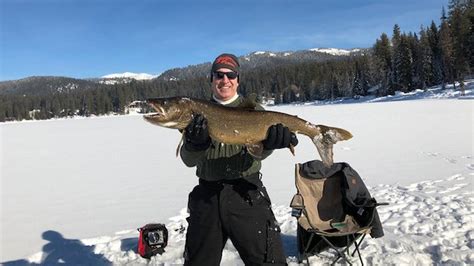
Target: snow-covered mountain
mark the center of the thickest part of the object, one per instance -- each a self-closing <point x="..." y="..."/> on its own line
<point x="335" y="51"/>
<point x="267" y="59"/>
<point x="331" y="51"/>
<point x="44" y="85"/>
<point x="130" y="75"/>
<point x="125" y="77"/>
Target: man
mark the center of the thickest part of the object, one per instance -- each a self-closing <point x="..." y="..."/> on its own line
<point x="230" y="201"/>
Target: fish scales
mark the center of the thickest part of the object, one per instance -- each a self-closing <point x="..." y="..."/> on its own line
<point x="242" y="125"/>
<point x="232" y="126"/>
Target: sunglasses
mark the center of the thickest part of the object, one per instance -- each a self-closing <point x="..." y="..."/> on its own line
<point x="230" y="75"/>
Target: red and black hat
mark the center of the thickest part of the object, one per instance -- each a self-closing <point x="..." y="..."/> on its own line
<point x="229" y="61"/>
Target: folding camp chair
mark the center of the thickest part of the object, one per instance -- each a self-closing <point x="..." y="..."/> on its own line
<point x="334" y="210"/>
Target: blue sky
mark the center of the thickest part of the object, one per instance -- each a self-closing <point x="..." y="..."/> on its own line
<point x="92" y="38"/>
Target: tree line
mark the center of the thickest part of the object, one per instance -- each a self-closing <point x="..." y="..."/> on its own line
<point x="437" y="54"/>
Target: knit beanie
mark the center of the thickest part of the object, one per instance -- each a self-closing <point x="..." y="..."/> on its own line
<point x="229" y="61"/>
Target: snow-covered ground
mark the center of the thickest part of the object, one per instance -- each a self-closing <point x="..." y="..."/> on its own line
<point x="75" y="190"/>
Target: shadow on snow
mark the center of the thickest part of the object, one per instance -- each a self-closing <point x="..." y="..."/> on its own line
<point x="63" y="251"/>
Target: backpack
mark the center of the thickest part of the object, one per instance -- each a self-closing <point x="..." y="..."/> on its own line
<point x="152" y="240"/>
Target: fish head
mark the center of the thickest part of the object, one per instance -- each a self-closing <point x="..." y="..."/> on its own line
<point x="172" y="112"/>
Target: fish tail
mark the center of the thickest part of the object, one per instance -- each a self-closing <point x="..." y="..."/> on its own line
<point x="325" y="140"/>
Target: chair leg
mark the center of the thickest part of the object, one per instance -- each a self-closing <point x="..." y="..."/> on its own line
<point x="304" y="255"/>
<point x="357" y="248"/>
<point x="309" y="242"/>
<point x="348" y="242"/>
<point x="357" y="245"/>
<point x="339" y="253"/>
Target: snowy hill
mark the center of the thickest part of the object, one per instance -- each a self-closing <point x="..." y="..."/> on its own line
<point x="331" y="51"/>
<point x="44" y="85"/>
<point x="125" y="77"/>
<point x="91" y="182"/>
<point x="267" y="59"/>
<point x="335" y="51"/>
<point x="130" y="75"/>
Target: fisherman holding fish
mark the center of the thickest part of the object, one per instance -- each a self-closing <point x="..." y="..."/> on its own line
<point x="230" y="201"/>
<point x="226" y="139"/>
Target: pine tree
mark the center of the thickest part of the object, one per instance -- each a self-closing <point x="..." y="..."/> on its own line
<point x="397" y="60"/>
<point x="3" y="109"/>
<point x="417" y="66"/>
<point x="433" y="37"/>
<point x="357" y="87"/>
<point x="383" y="62"/>
<point x="460" y="29"/>
<point x="404" y="66"/>
<point x="426" y="60"/>
<point x="470" y="16"/>
<point x="446" y="51"/>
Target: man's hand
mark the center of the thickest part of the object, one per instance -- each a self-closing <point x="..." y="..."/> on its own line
<point x="197" y="134"/>
<point x="279" y="136"/>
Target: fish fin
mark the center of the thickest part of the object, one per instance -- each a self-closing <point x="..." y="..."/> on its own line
<point x="180" y="144"/>
<point x="325" y="150"/>
<point x="325" y="141"/>
<point x="255" y="149"/>
<point x="249" y="102"/>
<point x="339" y="134"/>
<point x="292" y="149"/>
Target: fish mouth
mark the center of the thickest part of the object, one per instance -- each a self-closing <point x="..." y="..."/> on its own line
<point x="156" y="118"/>
<point x="159" y="111"/>
<point x="153" y="115"/>
<point x="160" y="114"/>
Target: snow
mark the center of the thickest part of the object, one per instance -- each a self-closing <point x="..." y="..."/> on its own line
<point x="137" y="76"/>
<point x="75" y="190"/>
<point x="334" y="51"/>
<point x="264" y="53"/>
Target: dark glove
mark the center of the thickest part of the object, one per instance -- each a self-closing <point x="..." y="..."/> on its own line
<point x="279" y="136"/>
<point x="197" y="134"/>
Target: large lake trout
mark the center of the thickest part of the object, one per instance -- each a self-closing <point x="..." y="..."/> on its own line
<point x="244" y="126"/>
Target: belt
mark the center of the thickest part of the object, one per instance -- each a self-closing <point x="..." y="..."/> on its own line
<point x="235" y="181"/>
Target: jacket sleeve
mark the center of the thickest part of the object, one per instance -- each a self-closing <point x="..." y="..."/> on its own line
<point x="265" y="154"/>
<point x="191" y="158"/>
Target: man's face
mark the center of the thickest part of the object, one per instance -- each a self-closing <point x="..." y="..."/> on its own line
<point x="223" y="87"/>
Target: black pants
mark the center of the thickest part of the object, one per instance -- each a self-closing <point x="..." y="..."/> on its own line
<point x="238" y="210"/>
